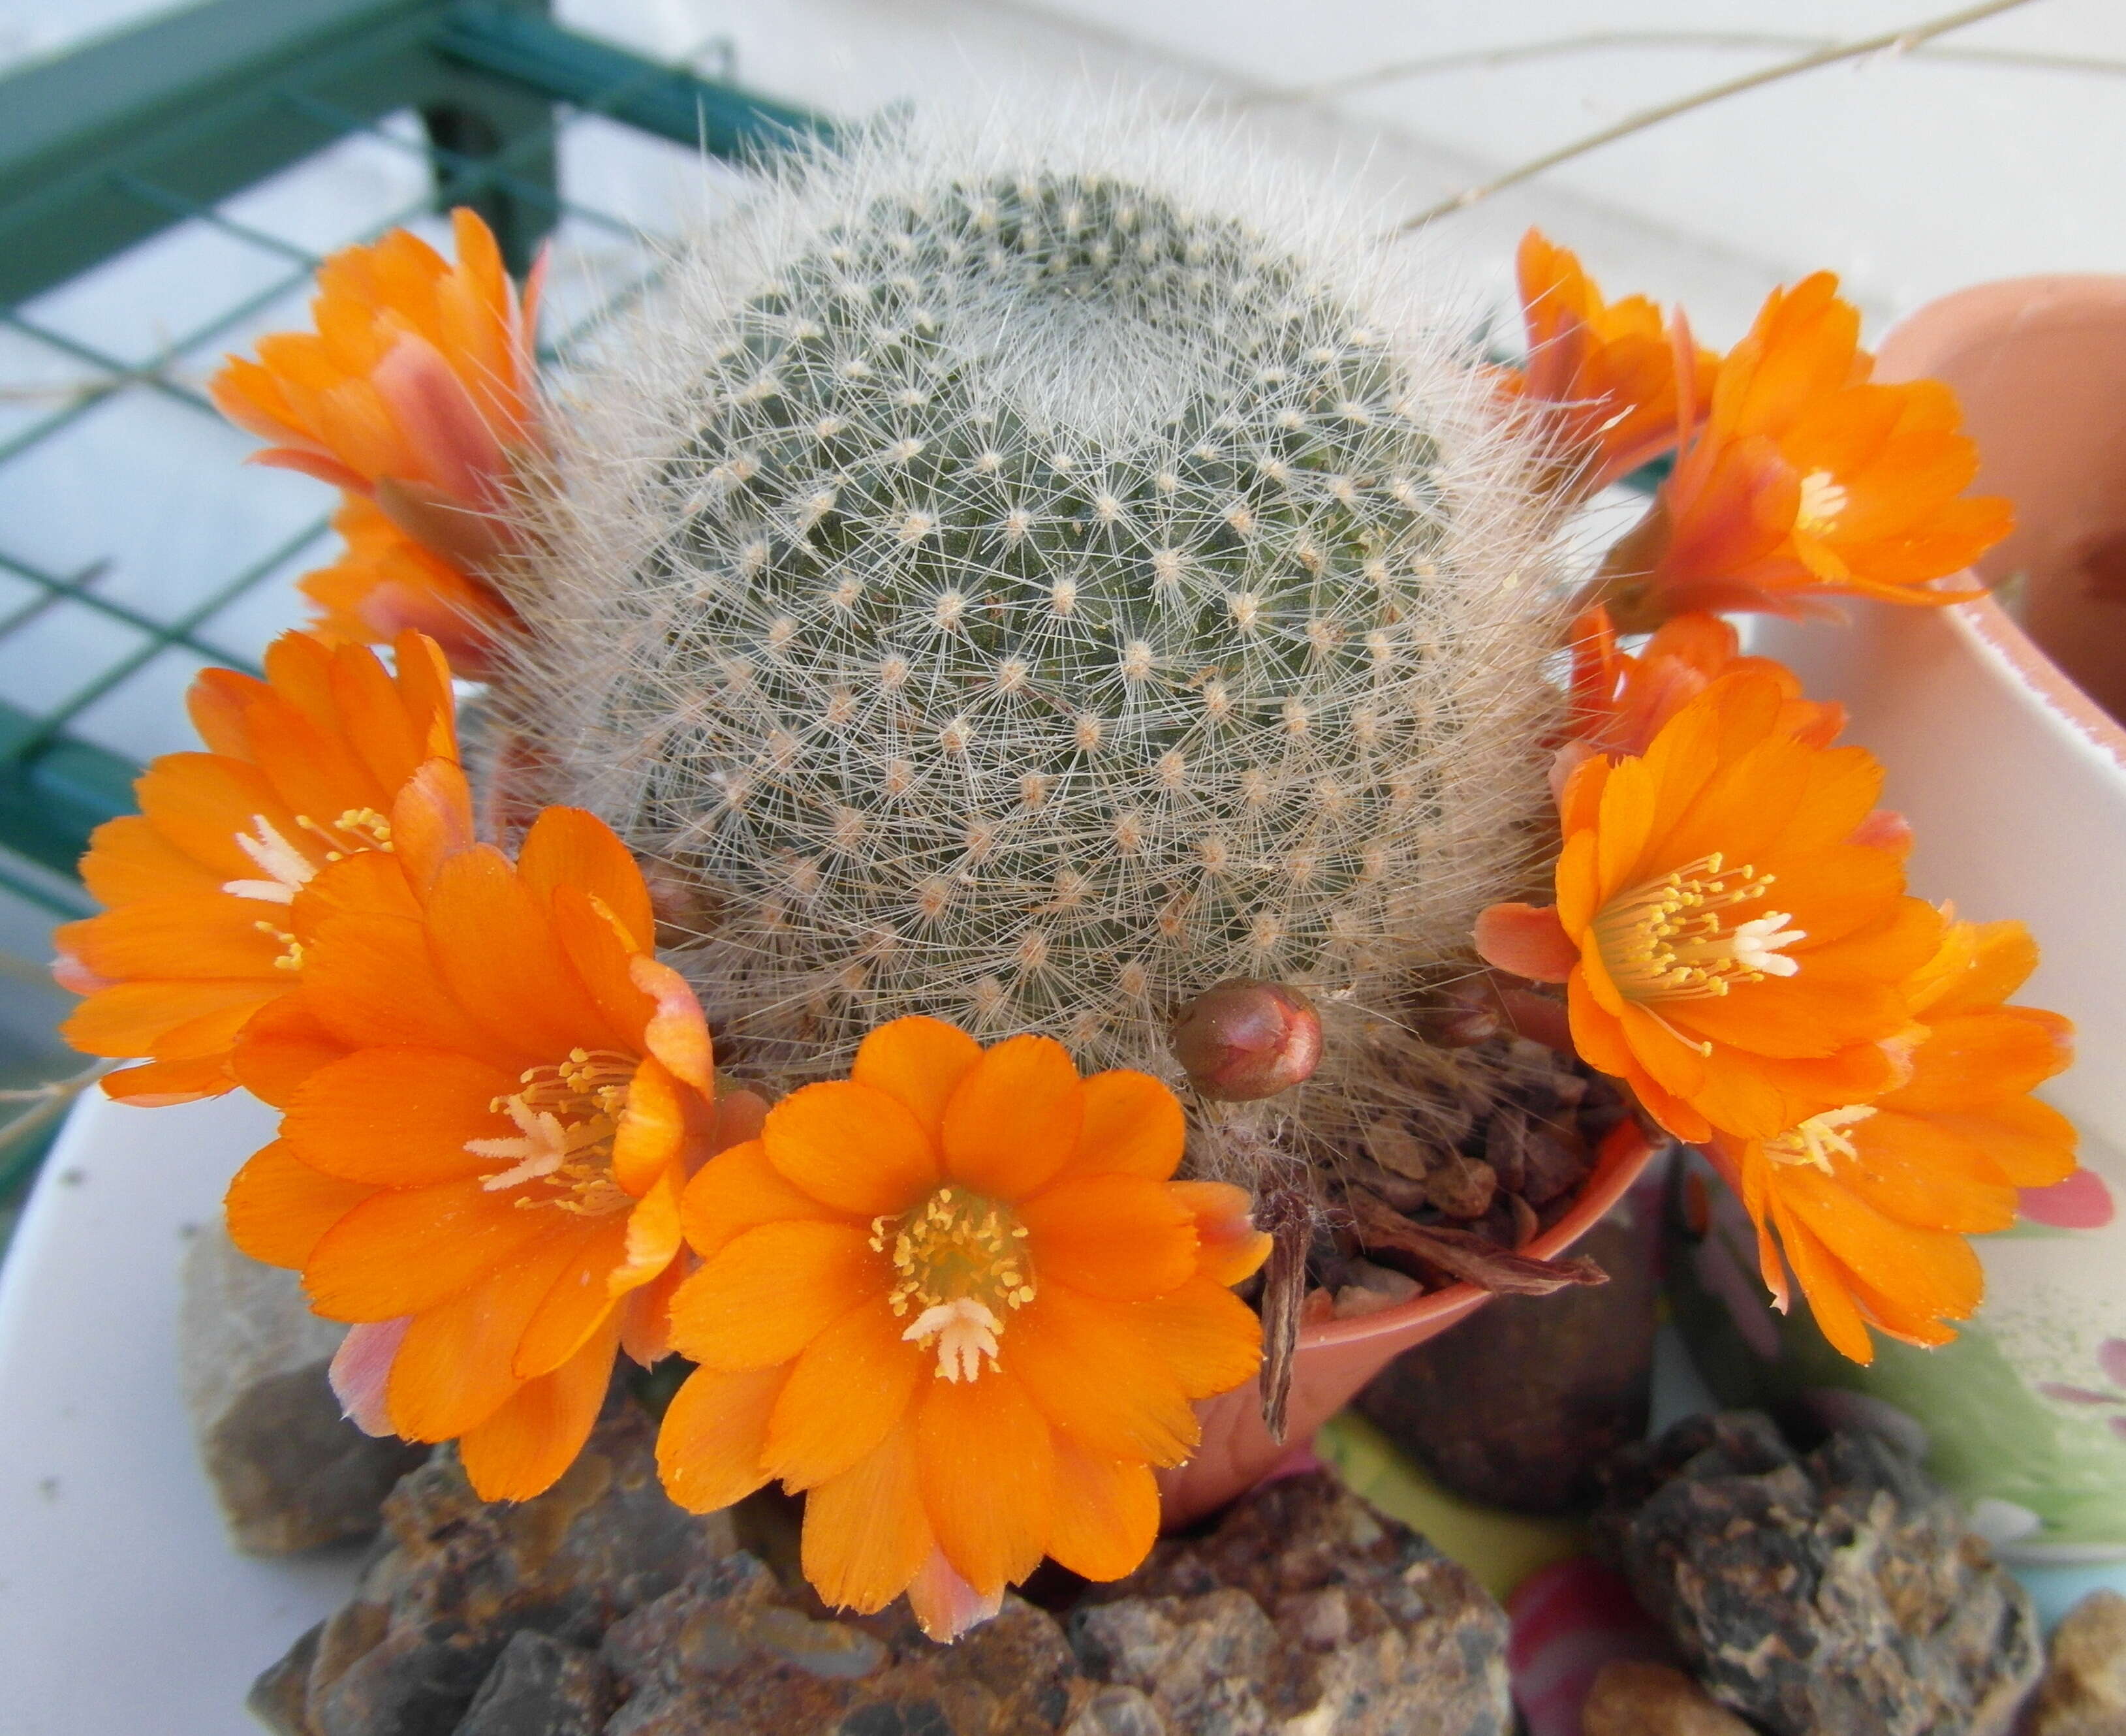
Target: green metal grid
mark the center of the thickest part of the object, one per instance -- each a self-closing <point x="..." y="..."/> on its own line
<point x="164" y="131"/>
<point x="164" y="126"/>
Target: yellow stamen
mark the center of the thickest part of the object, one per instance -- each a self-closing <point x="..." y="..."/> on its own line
<point x="566" y="1116"/>
<point x="1669" y="939"/>
<point x="1817" y="1141"/>
<point x="963" y="1268"/>
<point x="287" y="866"/>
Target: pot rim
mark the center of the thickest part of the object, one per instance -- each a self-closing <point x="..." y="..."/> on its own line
<point x="1911" y="349"/>
<point x="1622" y="1159"/>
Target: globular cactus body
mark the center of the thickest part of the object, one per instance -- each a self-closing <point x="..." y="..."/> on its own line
<point x="1017" y="575"/>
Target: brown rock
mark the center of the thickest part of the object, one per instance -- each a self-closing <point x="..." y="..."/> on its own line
<point x="726" y="1650"/>
<point x="1520" y="1404"/>
<point x="289" y="1471"/>
<point x="1832" y="1591"/>
<point x="540" y="1687"/>
<point x="1118" y="1711"/>
<point x="2084" y="1690"/>
<point x="1305" y="1610"/>
<point x="1652" y="1699"/>
<point x="455" y="1578"/>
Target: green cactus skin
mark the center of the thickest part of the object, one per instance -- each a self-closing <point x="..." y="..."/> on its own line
<point x="1028" y="594"/>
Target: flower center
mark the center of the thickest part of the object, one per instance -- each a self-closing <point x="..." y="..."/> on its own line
<point x="287" y="867"/>
<point x="1670" y="939"/>
<point x="962" y="1267"/>
<point x="1819" y="1139"/>
<point x="566" y="1115"/>
<point x="1822" y="500"/>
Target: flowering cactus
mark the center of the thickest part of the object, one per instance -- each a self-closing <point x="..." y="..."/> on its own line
<point x="1028" y="581"/>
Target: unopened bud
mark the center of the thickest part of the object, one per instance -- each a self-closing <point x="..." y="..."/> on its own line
<point x="1243" y="1041"/>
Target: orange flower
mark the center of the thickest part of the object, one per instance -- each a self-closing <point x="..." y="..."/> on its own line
<point x="956" y="1299"/>
<point x="1731" y="949"/>
<point x="1605" y="374"/>
<point x="416" y="388"/>
<point x="493" y="1097"/>
<point x="1619" y="702"/>
<point x="386" y="582"/>
<point x="1809" y="481"/>
<point x="1871" y="1201"/>
<point x="303" y="768"/>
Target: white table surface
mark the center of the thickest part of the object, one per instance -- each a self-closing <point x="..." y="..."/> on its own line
<point x="123" y="1611"/>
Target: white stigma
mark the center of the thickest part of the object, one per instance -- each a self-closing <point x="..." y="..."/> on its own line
<point x="966" y="1331"/>
<point x="1757" y="943"/>
<point x="287" y="868"/>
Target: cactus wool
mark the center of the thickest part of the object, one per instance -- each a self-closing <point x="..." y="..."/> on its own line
<point x="1027" y="573"/>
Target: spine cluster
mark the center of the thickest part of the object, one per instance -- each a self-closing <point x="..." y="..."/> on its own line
<point x="1031" y="592"/>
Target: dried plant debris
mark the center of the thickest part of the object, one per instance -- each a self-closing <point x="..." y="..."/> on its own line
<point x="1453" y="1189"/>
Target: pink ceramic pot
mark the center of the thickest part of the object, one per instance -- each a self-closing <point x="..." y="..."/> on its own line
<point x="1997" y="723"/>
<point x="2002" y="740"/>
<point x="1337" y="1357"/>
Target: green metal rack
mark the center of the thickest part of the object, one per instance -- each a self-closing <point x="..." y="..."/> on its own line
<point x="120" y="142"/>
<point x="173" y="131"/>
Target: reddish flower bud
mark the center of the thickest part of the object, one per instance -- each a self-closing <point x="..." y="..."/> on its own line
<point x="1243" y="1040"/>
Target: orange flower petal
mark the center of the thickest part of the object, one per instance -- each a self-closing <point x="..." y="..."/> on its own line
<point x="128" y="1019"/>
<point x="278" y="1207"/>
<point x="740" y="1190"/>
<point x="919" y="1062"/>
<point x="1971" y="1059"/>
<point x="1210" y="1339"/>
<point x="865" y="1534"/>
<point x="521" y="1449"/>
<point x="985" y="1463"/>
<point x="282" y="1046"/>
<point x="404" y="1250"/>
<point x="576" y="1304"/>
<point x="457" y="1363"/>
<point x="1133" y="1126"/>
<point x="645" y="1314"/>
<point x="1121" y="1237"/>
<point x="653" y="1241"/>
<point x="854" y="1149"/>
<point x="708" y="1450"/>
<point x="159" y="1084"/>
<point x="1106" y="1515"/>
<point x="770" y="1291"/>
<point x="369" y="981"/>
<point x="566" y="846"/>
<point x="398" y="1117"/>
<point x="1229" y="1248"/>
<point x="653" y="1127"/>
<point x="494" y="948"/>
<point x="1911" y="1169"/>
<point x="1015" y="1119"/>
<point x="850" y="1387"/>
<point x="186" y="936"/>
<point x="1829" y="1299"/>
<point x="1091" y="1369"/>
<point x="1526" y="940"/>
<point x="677" y="1034"/>
<point x="2032" y="1144"/>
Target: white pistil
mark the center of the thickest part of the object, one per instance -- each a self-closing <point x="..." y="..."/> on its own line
<point x="1822" y="500"/>
<point x="542" y="1149"/>
<point x="1757" y="944"/>
<point x="1819" y="1139"/>
<point x="287" y="868"/>
<point x="967" y="1335"/>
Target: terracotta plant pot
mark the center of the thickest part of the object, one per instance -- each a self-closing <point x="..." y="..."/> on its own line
<point x="1337" y="1357"/>
<point x="1999" y="745"/>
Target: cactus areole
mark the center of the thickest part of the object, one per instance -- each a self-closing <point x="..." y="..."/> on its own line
<point x="1030" y="581"/>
